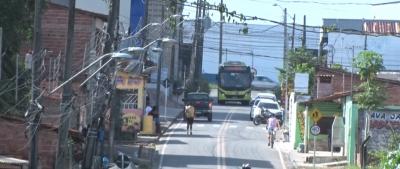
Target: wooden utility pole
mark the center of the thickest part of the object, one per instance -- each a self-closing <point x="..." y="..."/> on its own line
<point x="303" y="41"/>
<point x="221" y="26"/>
<point x="66" y="104"/>
<point x="286" y="67"/>
<point x="36" y="61"/>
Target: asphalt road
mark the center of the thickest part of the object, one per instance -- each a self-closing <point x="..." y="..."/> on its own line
<point x="227" y="142"/>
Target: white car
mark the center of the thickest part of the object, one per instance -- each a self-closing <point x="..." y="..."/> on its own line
<point x="263" y="83"/>
<point x="265" y="104"/>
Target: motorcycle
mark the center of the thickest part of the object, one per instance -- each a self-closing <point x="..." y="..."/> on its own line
<point x="262" y="117"/>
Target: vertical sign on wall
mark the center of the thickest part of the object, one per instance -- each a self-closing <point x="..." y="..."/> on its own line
<point x="137" y="18"/>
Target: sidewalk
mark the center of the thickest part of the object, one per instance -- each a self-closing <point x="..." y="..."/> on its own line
<point x="296" y="160"/>
<point x="143" y="150"/>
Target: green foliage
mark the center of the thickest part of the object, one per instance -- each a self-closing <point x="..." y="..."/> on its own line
<point x="198" y="85"/>
<point x="371" y="97"/>
<point x="16" y="19"/>
<point x="391" y="161"/>
<point x="299" y="61"/>
<point x="369" y="64"/>
<point x="338" y="67"/>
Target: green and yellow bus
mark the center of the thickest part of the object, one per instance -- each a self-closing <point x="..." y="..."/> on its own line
<point x="234" y="82"/>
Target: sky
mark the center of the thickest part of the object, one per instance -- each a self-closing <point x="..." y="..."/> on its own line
<point x="315" y="10"/>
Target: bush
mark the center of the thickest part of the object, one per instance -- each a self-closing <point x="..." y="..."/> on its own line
<point x="198" y="85"/>
<point x="391" y="161"/>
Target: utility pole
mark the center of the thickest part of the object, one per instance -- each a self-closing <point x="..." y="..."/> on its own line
<point x="194" y="56"/>
<point x="252" y="59"/>
<point x="365" y="42"/>
<point x="1" y="53"/>
<point x="97" y="123"/>
<point x="221" y="26"/>
<point x="201" y="40"/>
<point x="36" y="61"/>
<point x="66" y="104"/>
<point x="293" y="30"/>
<point x="303" y="41"/>
<point x="116" y="94"/>
<point x="16" y="77"/>
<point x="285" y="46"/>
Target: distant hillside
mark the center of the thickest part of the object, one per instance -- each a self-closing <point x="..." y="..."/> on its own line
<point x="211" y="78"/>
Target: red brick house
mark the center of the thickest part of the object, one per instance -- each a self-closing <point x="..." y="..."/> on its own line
<point x="87" y="36"/>
<point x="15" y="143"/>
<point x="330" y="81"/>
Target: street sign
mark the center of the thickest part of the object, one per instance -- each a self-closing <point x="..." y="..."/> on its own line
<point x="166" y="83"/>
<point x="315" y="130"/>
<point x="316" y="115"/>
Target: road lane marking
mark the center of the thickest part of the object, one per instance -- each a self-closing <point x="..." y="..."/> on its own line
<point x="280" y="156"/>
<point x="164" y="146"/>
<point x="221" y="153"/>
<point x="199" y="125"/>
<point x="233" y="126"/>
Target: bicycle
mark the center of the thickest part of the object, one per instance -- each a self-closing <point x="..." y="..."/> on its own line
<point x="271" y="136"/>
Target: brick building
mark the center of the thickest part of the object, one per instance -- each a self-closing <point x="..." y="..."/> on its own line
<point x="15" y="143"/>
<point x="87" y="36"/>
<point x="330" y="81"/>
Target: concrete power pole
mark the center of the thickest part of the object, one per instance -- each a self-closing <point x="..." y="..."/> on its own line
<point x="116" y="95"/>
<point x="199" y="50"/>
<point x="36" y="61"/>
<point x="221" y="26"/>
<point x="293" y="30"/>
<point x="194" y="56"/>
<point x="66" y="104"/>
<point x="303" y="41"/>
<point x="1" y="53"/>
<point x="285" y="46"/>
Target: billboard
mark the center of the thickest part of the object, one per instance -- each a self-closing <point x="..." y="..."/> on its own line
<point x="301" y="83"/>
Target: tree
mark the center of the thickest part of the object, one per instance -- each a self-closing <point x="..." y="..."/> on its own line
<point x="16" y="19"/>
<point x="299" y="61"/>
<point x="371" y="96"/>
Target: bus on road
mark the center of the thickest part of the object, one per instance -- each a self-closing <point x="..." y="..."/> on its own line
<point x="234" y="82"/>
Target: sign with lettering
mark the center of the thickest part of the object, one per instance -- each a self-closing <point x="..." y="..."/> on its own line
<point x="127" y="81"/>
<point x="381" y="27"/>
<point x="385" y="120"/>
<point x="131" y="119"/>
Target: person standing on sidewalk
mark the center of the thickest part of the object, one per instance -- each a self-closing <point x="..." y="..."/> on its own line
<point x="156" y="118"/>
<point x="189" y="112"/>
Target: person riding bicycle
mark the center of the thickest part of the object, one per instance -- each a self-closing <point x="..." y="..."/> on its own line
<point x="272" y="124"/>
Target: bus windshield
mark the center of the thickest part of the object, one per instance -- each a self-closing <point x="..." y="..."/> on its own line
<point x="235" y="79"/>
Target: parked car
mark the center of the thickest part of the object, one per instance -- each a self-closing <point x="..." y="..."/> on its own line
<point x="263" y="83"/>
<point x="259" y="96"/>
<point x="269" y="105"/>
<point x="202" y="104"/>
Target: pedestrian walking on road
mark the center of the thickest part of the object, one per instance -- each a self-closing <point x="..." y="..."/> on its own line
<point x="189" y="112"/>
<point x="148" y="110"/>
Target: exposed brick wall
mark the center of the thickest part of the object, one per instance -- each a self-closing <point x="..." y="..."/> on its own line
<point x="14" y="143"/>
<point x="341" y="82"/>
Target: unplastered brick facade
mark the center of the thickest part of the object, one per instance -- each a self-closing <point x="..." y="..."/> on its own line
<point x="15" y="143"/>
<point x="54" y="35"/>
<point x="329" y="82"/>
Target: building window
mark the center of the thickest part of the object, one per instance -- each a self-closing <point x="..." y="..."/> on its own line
<point x="325" y="79"/>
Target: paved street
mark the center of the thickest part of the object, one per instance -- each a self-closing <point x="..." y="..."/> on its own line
<point x="227" y="142"/>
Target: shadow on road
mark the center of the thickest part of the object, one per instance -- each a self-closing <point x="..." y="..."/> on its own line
<point x="175" y="161"/>
<point x="185" y="135"/>
<point x="171" y="142"/>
